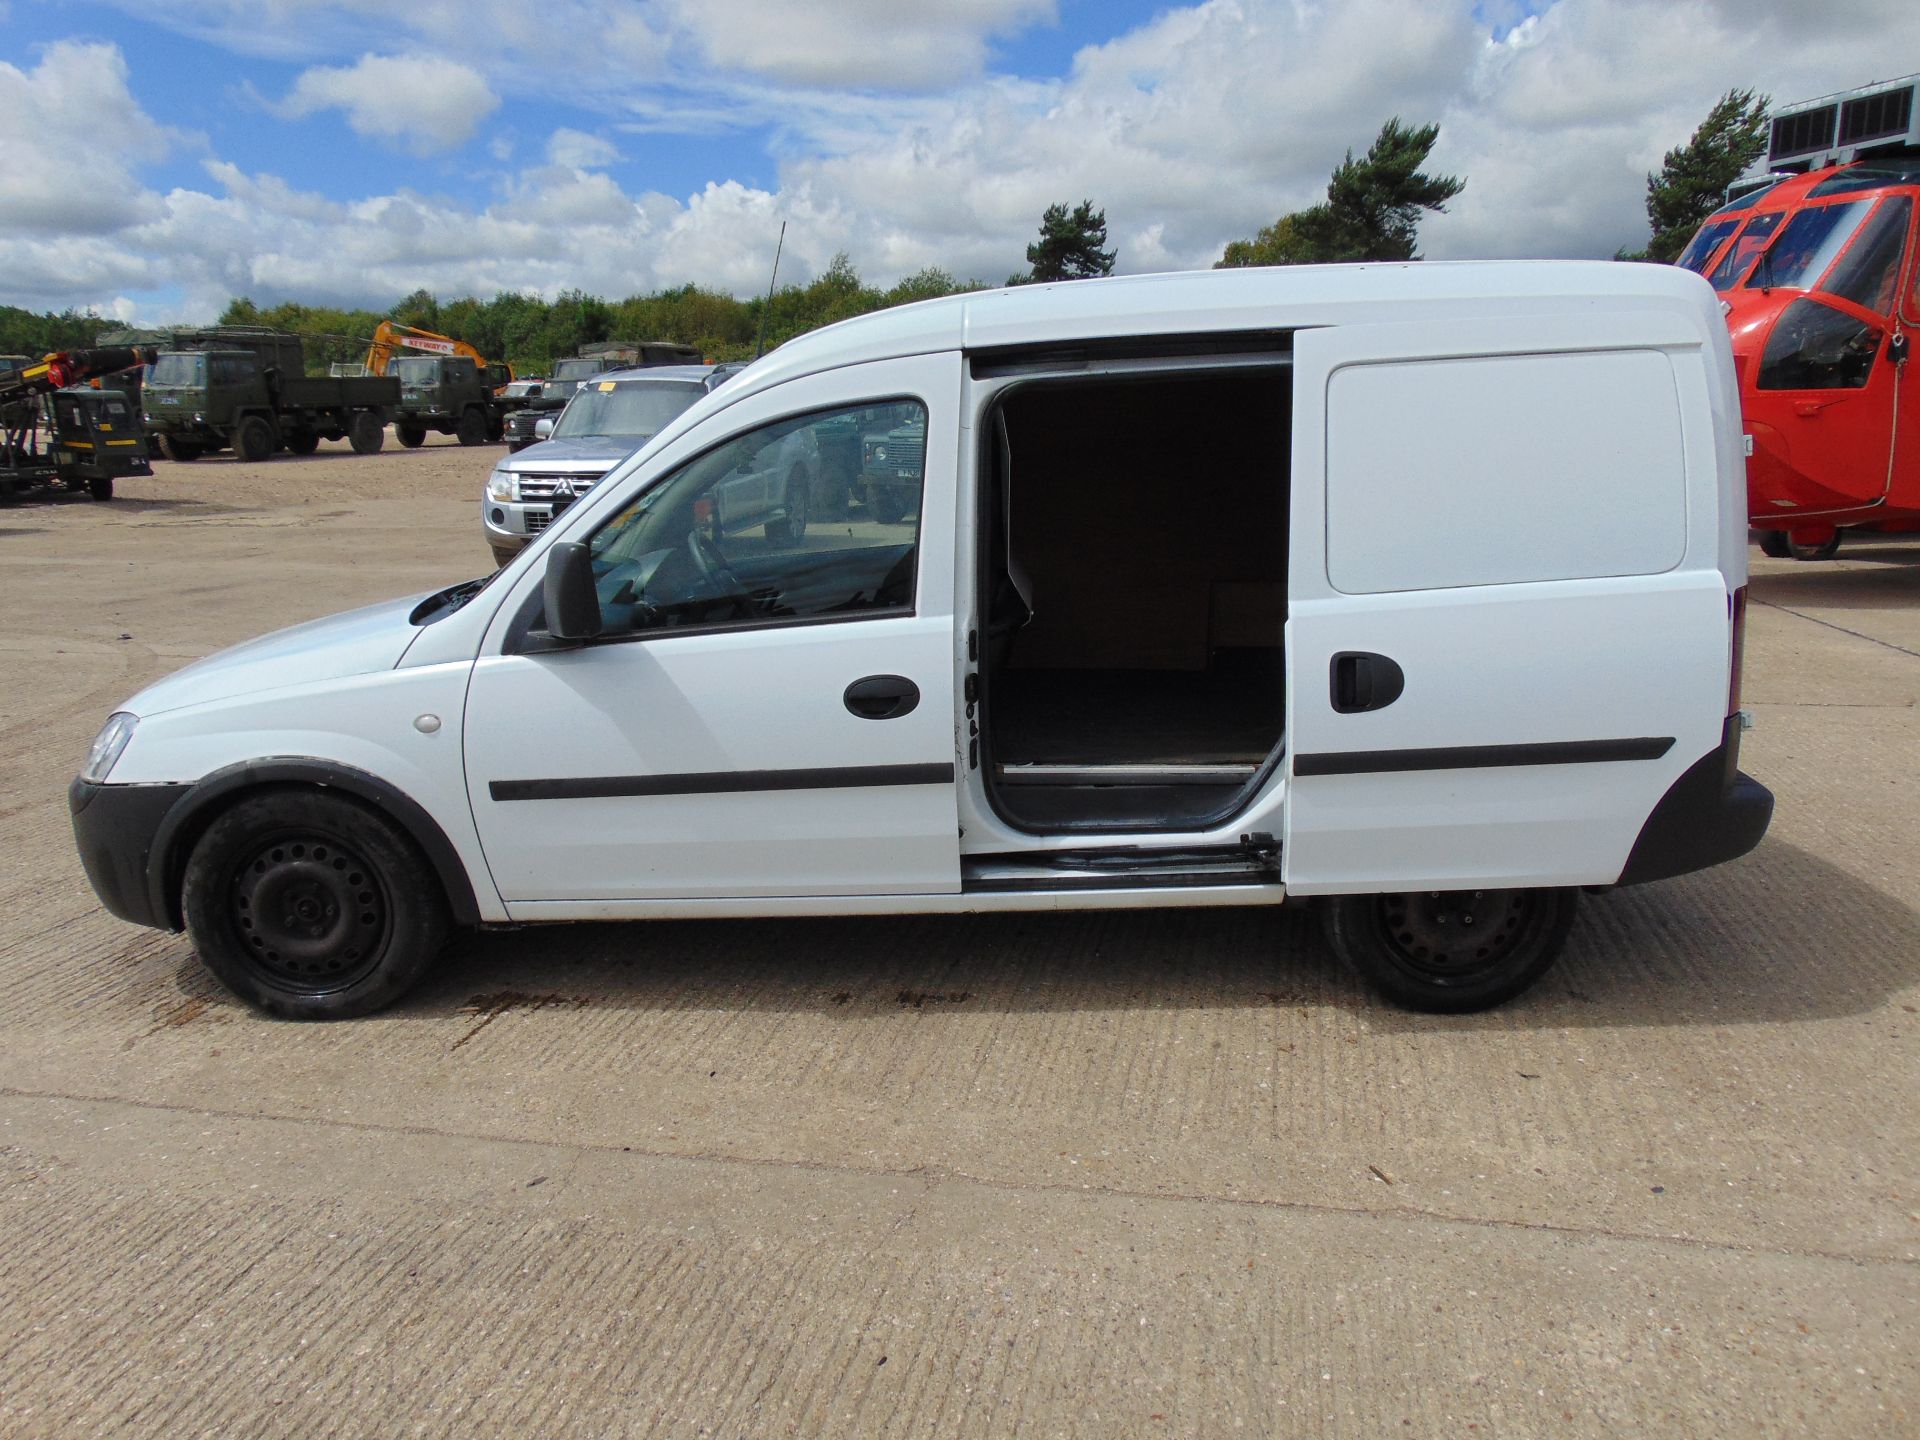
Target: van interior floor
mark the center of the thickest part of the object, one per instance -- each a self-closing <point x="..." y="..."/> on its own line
<point x="1224" y="716"/>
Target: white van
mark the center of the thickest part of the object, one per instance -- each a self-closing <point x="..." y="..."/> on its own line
<point x="1416" y="587"/>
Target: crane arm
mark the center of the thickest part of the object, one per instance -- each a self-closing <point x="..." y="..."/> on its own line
<point x="70" y="367"/>
<point x="390" y="335"/>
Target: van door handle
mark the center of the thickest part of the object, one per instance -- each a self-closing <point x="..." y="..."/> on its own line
<point x="1360" y="680"/>
<point x="882" y="697"/>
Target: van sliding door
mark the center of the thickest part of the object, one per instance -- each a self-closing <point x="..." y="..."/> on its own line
<point x="1507" y="634"/>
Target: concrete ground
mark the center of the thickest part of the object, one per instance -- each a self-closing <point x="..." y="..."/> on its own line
<point x="1158" y="1174"/>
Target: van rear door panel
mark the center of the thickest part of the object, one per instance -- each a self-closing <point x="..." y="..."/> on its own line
<point x="1520" y="516"/>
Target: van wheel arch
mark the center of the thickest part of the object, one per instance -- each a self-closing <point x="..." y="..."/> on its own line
<point x="214" y="795"/>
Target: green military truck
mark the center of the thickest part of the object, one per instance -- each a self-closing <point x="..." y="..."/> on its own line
<point x="247" y="389"/>
<point x="450" y="395"/>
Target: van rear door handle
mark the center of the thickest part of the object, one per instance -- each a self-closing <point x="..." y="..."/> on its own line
<point x="1360" y="680"/>
<point x="882" y="697"/>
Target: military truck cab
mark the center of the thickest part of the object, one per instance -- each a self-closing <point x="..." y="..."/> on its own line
<point x="97" y="439"/>
<point x="450" y="395"/>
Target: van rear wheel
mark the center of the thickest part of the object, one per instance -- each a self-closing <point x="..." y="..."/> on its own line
<point x="1450" y="951"/>
<point x="311" y="906"/>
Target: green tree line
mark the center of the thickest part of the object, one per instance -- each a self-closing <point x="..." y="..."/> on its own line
<point x="531" y="333"/>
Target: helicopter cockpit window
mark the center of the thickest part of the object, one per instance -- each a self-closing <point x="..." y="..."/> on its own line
<point x="1700" y="249"/>
<point x="1807" y="245"/>
<point x="1870" y="270"/>
<point x="1740" y="254"/>
<point x="1815" y="347"/>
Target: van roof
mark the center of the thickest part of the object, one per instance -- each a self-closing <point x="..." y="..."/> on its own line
<point x="1203" y="301"/>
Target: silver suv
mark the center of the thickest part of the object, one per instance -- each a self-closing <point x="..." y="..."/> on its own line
<point x="607" y="419"/>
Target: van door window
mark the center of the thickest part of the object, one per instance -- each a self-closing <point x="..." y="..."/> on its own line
<point x="764" y="529"/>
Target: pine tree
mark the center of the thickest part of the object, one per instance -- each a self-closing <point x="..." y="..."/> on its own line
<point x="1372" y="209"/>
<point x="1069" y="247"/>
<point x="1693" y="179"/>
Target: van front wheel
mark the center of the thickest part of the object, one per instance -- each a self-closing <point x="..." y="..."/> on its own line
<point x="1450" y="951"/>
<point x="310" y="906"/>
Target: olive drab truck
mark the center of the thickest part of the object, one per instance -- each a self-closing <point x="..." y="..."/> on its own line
<point x="246" y="389"/>
<point x="446" y="386"/>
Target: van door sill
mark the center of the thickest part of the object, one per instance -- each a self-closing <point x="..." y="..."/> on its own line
<point x="1255" y="862"/>
<point x="1199" y="773"/>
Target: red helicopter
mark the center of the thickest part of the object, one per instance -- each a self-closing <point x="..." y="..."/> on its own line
<point x="1819" y="274"/>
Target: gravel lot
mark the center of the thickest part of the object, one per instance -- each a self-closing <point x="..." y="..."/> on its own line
<point x="1157" y="1174"/>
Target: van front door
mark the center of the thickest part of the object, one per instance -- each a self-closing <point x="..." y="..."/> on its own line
<point x="768" y="711"/>
<point x="1507" y="632"/>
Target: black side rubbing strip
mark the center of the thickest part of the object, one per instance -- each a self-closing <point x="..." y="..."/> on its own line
<point x="1481" y="757"/>
<point x="719" y="782"/>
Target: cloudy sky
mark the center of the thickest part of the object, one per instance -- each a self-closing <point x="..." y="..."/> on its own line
<point x="163" y="157"/>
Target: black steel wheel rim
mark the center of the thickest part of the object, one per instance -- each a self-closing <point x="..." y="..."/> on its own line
<point x="314" y="915"/>
<point x="1457" y="937"/>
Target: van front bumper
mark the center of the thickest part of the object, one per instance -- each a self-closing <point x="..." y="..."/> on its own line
<point x="1710" y="815"/>
<point x="114" y="827"/>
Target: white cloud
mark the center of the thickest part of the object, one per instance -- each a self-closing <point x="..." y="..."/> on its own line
<point x="420" y="102"/>
<point x="888" y="44"/>
<point x="75" y="136"/>
<point x="580" y="150"/>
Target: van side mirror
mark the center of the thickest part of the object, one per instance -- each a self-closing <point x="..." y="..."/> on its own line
<point x="572" y="602"/>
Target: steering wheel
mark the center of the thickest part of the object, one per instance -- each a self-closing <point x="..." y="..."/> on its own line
<point x="712" y="565"/>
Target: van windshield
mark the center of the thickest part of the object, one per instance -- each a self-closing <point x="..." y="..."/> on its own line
<point x="179" y="368"/>
<point x="636" y="408"/>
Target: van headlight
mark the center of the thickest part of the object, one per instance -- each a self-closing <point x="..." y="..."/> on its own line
<point x="503" y="485"/>
<point x="107" y="746"/>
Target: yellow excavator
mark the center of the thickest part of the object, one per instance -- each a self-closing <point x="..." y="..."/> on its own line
<point x="445" y="385"/>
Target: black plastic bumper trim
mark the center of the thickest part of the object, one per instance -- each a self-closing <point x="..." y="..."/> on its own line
<point x="718" y="782"/>
<point x="1482" y="757"/>
<point x="1713" y="813"/>
<point x="115" y="827"/>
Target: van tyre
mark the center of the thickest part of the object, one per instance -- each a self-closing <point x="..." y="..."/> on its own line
<point x="311" y="906"/>
<point x="254" y="440"/>
<point x="366" y="432"/>
<point x="472" y="429"/>
<point x="410" y="433"/>
<point x="1450" y="952"/>
<point x="1823" y="550"/>
<point x="1773" y="544"/>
